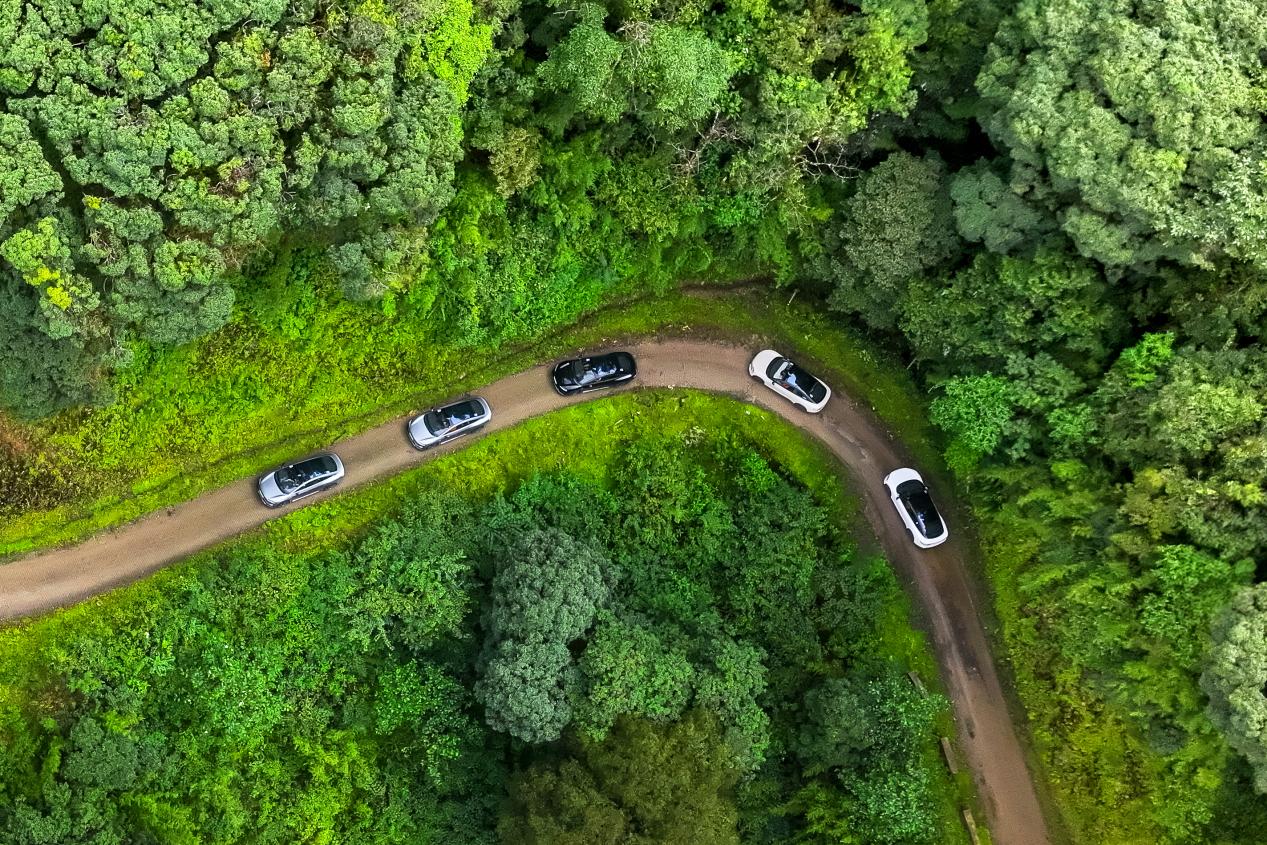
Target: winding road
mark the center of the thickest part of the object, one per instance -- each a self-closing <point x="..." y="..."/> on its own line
<point x="937" y="579"/>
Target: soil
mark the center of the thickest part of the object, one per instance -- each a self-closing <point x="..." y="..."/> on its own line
<point x="937" y="579"/>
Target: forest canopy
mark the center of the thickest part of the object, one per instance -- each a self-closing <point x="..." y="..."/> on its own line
<point x="561" y="663"/>
<point x="1053" y="212"/>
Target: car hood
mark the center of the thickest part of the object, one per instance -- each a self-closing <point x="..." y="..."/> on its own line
<point x="269" y="489"/>
<point x="564" y="374"/>
<point x="419" y="432"/>
<point x="761" y="362"/>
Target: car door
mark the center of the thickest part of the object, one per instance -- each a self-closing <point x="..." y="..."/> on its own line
<point x="457" y="429"/>
<point x="308" y="487"/>
<point x="597" y="373"/>
<point x="319" y="480"/>
<point x="781" y="387"/>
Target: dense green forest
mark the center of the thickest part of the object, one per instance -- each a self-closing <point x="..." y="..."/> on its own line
<point x="1054" y="210"/>
<point x="545" y="666"/>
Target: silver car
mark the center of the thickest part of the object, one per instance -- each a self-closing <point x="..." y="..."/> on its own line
<point x="440" y="425"/>
<point x="302" y="478"/>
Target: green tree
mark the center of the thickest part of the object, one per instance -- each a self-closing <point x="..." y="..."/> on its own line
<point x="411" y="586"/>
<point x="897" y="225"/>
<point x="891" y="786"/>
<point x="668" y="76"/>
<point x="975" y="412"/>
<point x="527" y="689"/>
<point x="998" y="309"/>
<point x="1236" y="674"/>
<point x="643" y="784"/>
<point x="629" y="668"/>
<point x="547" y="588"/>
<point x="1182" y="590"/>
<point x="1138" y="127"/>
<point x="545" y="594"/>
<point x="987" y="211"/>
<point x="154" y="150"/>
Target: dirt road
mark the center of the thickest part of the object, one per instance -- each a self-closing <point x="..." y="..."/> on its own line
<point x="937" y="579"/>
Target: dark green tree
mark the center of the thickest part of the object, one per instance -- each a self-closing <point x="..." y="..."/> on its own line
<point x="897" y="225"/>
<point x="643" y="784"/>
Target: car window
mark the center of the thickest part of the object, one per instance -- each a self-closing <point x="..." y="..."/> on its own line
<point x="286" y="479"/>
<point x="303" y="473"/>
<point x="453" y="416"/>
<point x="922" y="512"/>
<point x="584" y="372"/>
<point x="803" y="384"/>
<point x="465" y="411"/>
<point x="592" y="370"/>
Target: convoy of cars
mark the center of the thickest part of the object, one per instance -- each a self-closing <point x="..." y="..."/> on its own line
<point x="906" y="488"/>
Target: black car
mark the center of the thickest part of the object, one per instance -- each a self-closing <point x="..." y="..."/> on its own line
<point x="584" y="374"/>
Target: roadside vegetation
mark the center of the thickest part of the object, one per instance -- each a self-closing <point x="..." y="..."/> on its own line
<point x="1053" y="212"/>
<point x="667" y="597"/>
<point x="192" y="418"/>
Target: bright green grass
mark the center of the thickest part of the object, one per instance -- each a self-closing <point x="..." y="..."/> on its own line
<point x="192" y="419"/>
<point x="581" y="439"/>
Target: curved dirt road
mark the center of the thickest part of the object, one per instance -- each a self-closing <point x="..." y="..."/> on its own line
<point x="937" y="579"/>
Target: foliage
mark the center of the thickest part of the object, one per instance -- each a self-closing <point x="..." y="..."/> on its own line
<point x="1236" y="675"/>
<point x="298" y="685"/>
<point x="643" y="783"/>
<point x="259" y="227"/>
<point x="1137" y="126"/>
<point x="896" y="225"/>
<point x="156" y="148"/>
<point x="974" y="411"/>
<point x="867" y="730"/>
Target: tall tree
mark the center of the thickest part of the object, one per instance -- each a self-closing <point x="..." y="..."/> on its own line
<point x="1138" y="126"/>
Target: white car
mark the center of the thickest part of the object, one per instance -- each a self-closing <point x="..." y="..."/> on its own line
<point x="916" y="508"/>
<point x="440" y="425"/>
<point x="789" y="381"/>
<point x="302" y="478"/>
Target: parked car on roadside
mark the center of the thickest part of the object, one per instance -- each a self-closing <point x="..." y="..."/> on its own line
<point x="440" y="425"/>
<point x="916" y="508"/>
<point x="789" y="380"/>
<point x="581" y="375"/>
<point x="303" y="478"/>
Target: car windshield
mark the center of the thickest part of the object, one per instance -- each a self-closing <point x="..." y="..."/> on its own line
<point x="803" y="384"/>
<point x="920" y="507"/>
<point x="593" y="369"/>
<point x="296" y="475"/>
